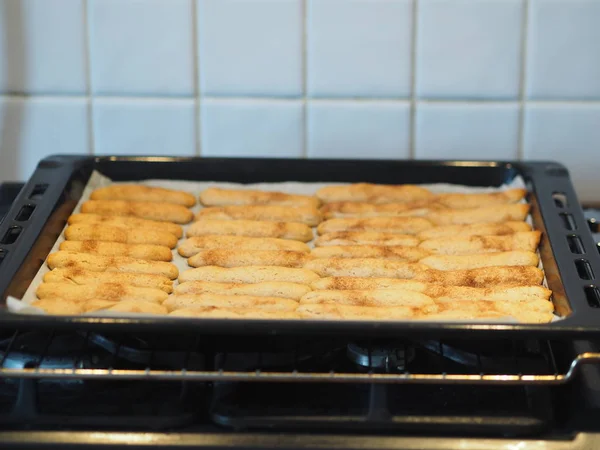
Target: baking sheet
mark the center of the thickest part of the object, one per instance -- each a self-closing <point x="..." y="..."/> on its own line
<point x="97" y="180"/>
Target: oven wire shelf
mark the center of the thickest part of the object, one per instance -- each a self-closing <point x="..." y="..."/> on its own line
<point x="194" y="361"/>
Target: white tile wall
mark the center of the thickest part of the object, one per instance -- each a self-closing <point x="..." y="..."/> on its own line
<point x="141" y="47"/>
<point x="31" y="129"/>
<point x="377" y="130"/>
<point x="564" y="59"/>
<point x="261" y="128"/>
<point x="469" y="48"/>
<point x="346" y="58"/>
<point x="144" y="126"/>
<point x="250" y="47"/>
<point x="470" y="79"/>
<point x="568" y="133"/>
<point x="467" y="131"/>
<point x="42" y="47"/>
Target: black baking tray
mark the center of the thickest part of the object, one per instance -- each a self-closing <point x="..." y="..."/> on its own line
<point x="569" y="255"/>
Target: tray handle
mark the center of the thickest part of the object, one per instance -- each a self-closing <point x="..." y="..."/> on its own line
<point x="57" y="181"/>
<point x="575" y="254"/>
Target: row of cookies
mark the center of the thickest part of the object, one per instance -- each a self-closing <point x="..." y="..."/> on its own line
<point x="253" y="256"/>
<point x="248" y="263"/>
<point x="117" y="252"/>
<point x="279" y="293"/>
<point x="247" y="249"/>
<point x="372" y="230"/>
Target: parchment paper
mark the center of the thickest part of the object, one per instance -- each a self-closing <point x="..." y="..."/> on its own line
<point x="23" y="306"/>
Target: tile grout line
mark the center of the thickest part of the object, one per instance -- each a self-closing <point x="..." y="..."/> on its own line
<point x="88" y="78"/>
<point x="304" y="48"/>
<point x="462" y="101"/>
<point x="196" y="74"/>
<point x="413" y="81"/>
<point x="523" y="80"/>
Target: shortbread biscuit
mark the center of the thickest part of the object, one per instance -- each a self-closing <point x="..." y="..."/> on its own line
<point x="347" y="312"/>
<point x="139" y="251"/>
<point x="477" y="229"/>
<point x="98" y="263"/>
<point x="254" y="274"/>
<point x="525" y="241"/>
<point x="78" y="276"/>
<point x="166" y="212"/>
<point x="251" y="228"/>
<point x="308" y="215"/>
<point x="210" y="312"/>
<point x="410" y="254"/>
<point x="526" y="304"/>
<point x="372" y="267"/>
<point x="464" y="262"/>
<point x="425" y="305"/>
<point x="400" y="225"/>
<point x="230" y="301"/>
<point x="464" y="201"/>
<point x="108" y="233"/>
<point x="95" y="304"/>
<point x="466" y="311"/>
<point x="59" y="306"/>
<point x="226" y="197"/>
<point x="138" y="307"/>
<point x="142" y="193"/>
<point x="281" y="289"/>
<point x="492" y="316"/>
<point x="495" y="293"/>
<point x="483" y="277"/>
<point x="345" y="238"/>
<point x="101" y="291"/>
<point x="525" y="312"/>
<point x="488" y="214"/>
<point x="363" y="267"/>
<point x="373" y="193"/>
<point x="242" y="258"/>
<point x="195" y="244"/>
<point x="125" y="306"/>
<point x="353" y="209"/>
<point x="423" y="207"/>
<point x="127" y="222"/>
<point x="377" y="298"/>
<point x="365" y="283"/>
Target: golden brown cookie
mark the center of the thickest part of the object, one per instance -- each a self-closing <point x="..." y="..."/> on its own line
<point x="165" y="212"/>
<point x="142" y="193"/>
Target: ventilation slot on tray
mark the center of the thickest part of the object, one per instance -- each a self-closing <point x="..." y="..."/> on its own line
<point x="584" y="269"/>
<point x="568" y="221"/>
<point x="11" y="235"/>
<point x="560" y="200"/>
<point x="592" y="294"/>
<point x="2" y="255"/>
<point x="575" y="244"/>
<point x="25" y="213"/>
<point x="38" y="191"/>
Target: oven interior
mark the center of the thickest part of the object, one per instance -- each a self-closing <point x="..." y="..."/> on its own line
<point x="507" y="388"/>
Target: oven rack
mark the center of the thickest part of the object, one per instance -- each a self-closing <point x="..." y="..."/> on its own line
<point x="525" y="363"/>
